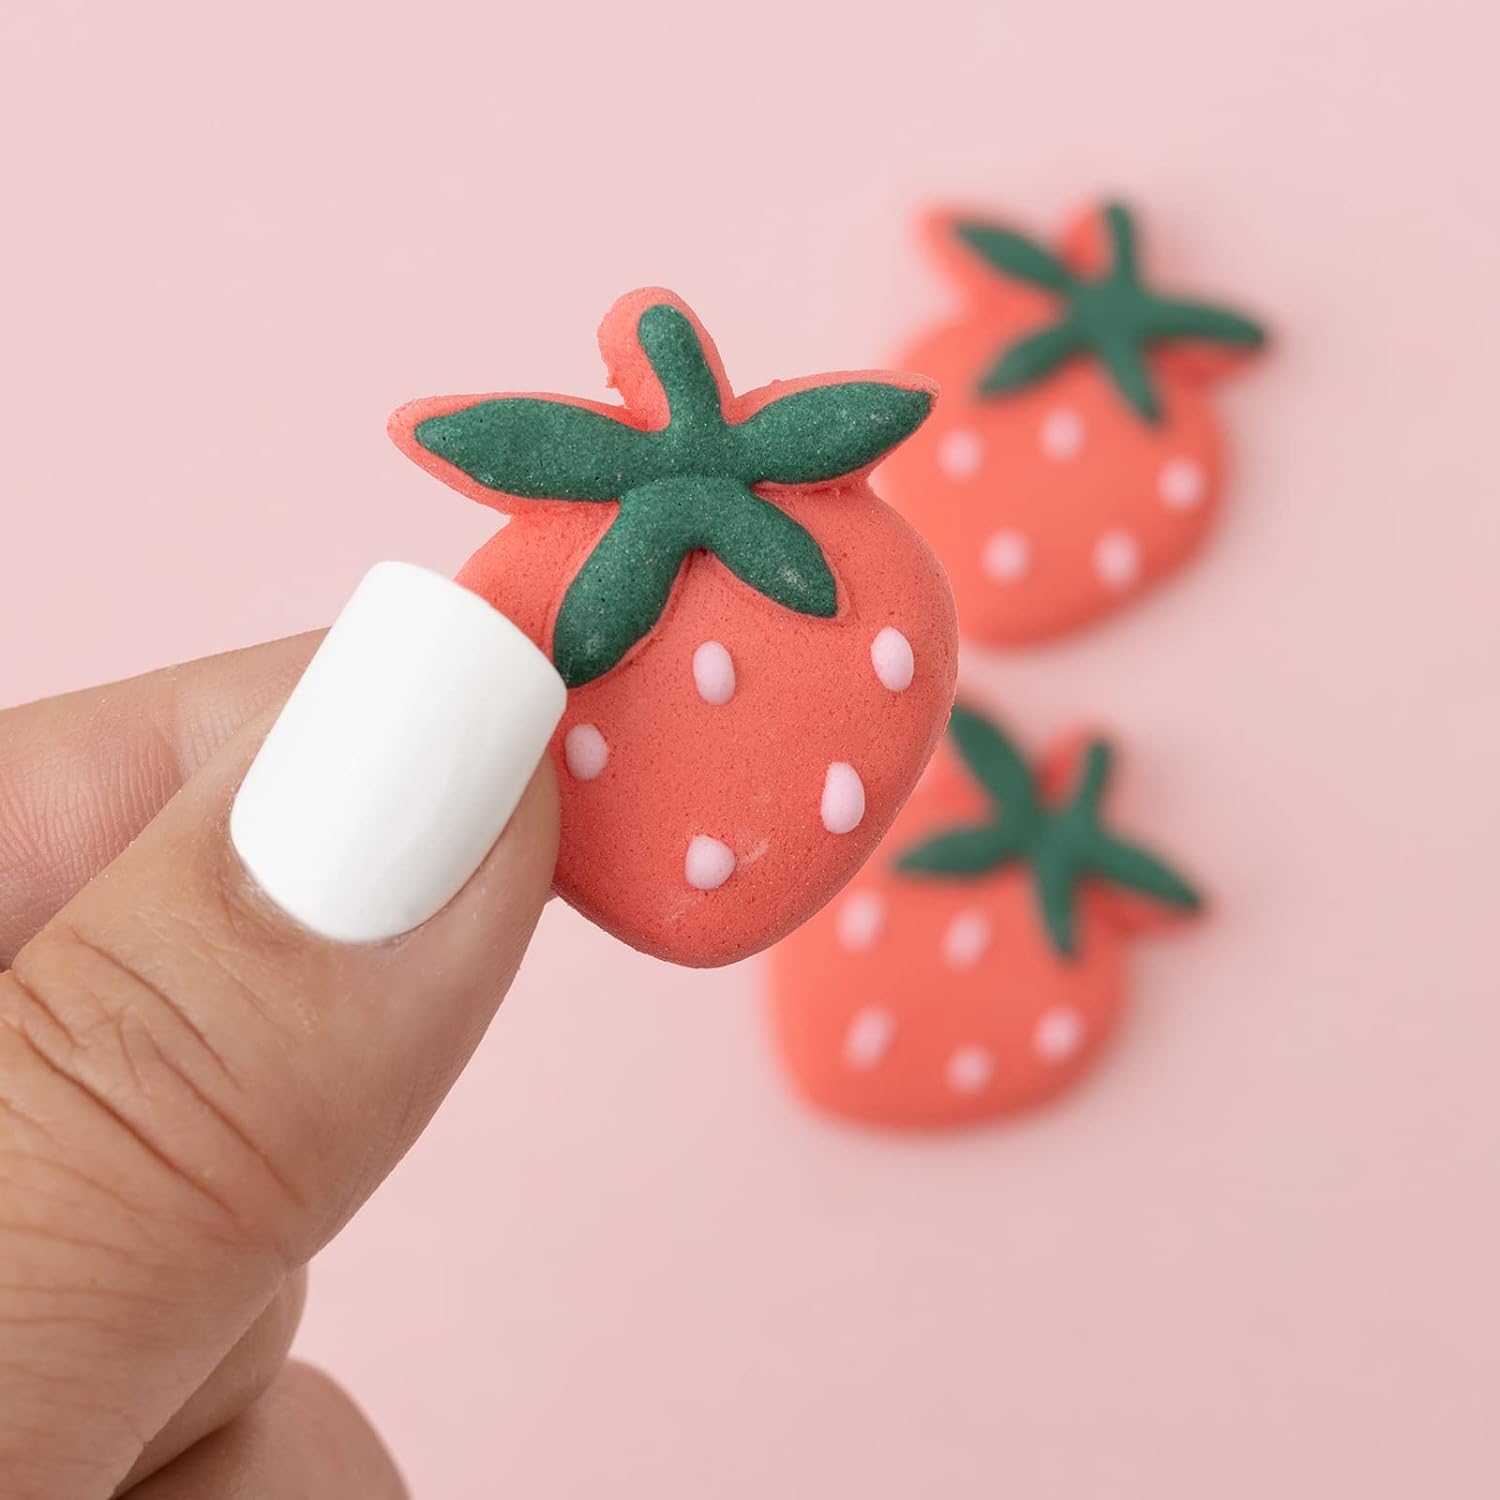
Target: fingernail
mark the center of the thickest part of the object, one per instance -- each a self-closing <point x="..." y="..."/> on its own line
<point x="397" y="760"/>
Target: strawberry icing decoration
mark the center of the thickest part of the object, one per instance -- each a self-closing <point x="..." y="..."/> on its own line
<point x="977" y="965"/>
<point x="760" y="654"/>
<point x="1077" y="460"/>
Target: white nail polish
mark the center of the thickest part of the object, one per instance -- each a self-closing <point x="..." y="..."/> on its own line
<point x="397" y="760"/>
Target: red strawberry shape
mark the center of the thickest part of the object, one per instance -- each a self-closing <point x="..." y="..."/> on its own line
<point x="760" y="654"/>
<point x="1077" y="460"/>
<point x="977" y="965"/>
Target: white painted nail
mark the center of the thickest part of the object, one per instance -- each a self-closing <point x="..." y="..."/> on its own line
<point x="397" y="760"/>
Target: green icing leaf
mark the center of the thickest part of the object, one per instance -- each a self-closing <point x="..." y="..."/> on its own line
<point x="1098" y="762"/>
<point x="1063" y="847"/>
<point x="960" y="853"/>
<point x="621" y="590"/>
<point x="1126" y="363"/>
<point x="761" y="544"/>
<point x="1032" y="358"/>
<point x="1120" y="224"/>
<point x="1137" y="870"/>
<point x="1055" y="876"/>
<point x="1113" y="317"/>
<point x="681" y="487"/>
<point x="539" y="449"/>
<point x="1171" y="319"/>
<point x="994" y="762"/>
<point x="1015" y="255"/>
<point x="670" y="342"/>
<point x="827" y="431"/>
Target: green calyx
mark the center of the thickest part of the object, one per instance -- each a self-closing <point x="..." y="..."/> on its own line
<point x="684" y="488"/>
<point x="1063" y="846"/>
<point x="1115" y="317"/>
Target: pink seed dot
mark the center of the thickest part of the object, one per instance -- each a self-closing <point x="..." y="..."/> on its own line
<point x="1117" y="559"/>
<point x="970" y="1069"/>
<point x="1058" y="1033"/>
<point x="709" y="863"/>
<point x="961" y="453"/>
<point x="1182" y="483"/>
<point x="868" y="1038"/>
<point x="891" y="656"/>
<point x="843" y="798"/>
<point x="966" y="939"/>
<point x="1006" y="556"/>
<point x="1062" y="433"/>
<point x="860" y="920"/>
<point x="585" y="751"/>
<point x="713" y="673"/>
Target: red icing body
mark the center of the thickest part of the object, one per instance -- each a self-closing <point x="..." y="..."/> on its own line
<point x="750" y="772"/>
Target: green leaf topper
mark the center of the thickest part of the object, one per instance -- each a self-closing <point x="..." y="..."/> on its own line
<point x="1062" y="846"/>
<point x="1114" y="317"/>
<point x="685" y="487"/>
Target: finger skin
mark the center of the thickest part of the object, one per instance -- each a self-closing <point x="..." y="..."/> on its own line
<point x="303" y="1440"/>
<point x="195" y="1094"/>
<point x="241" y="1378"/>
<point x="82" y="774"/>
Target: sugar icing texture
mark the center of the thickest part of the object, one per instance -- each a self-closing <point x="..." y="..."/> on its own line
<point x="761" y="655"/>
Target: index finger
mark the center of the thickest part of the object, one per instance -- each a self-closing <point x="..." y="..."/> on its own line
<point x="82" y="774"/>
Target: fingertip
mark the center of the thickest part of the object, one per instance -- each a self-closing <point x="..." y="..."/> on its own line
<point x="398" y="759"/>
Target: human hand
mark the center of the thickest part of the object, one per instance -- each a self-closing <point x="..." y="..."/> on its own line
<point x="204" y="1072"/>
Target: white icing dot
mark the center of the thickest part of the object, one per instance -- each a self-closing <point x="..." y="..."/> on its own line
<point x="966" y="938"/>
<point x="1062" y="433"/>
<point x="843" y="798"/>
<point x="960" y="453"/>
<point x="713" y="672"/>
<point x="868" y="1038"/>
<point x="890" y="655"/>
<point x="969" y="1069"/>
<point x="709" y="863"/>
<point x="860" y="920"/>
<point x="1006" y="556"/>
<point x="1058" y="1033"/>
<point x="1117" y="559"/>
<point x="1182" y="483"/>
<point x="585" y="751"/>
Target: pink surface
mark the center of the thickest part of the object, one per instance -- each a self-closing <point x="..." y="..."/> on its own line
<point x="1256" y="1256"/>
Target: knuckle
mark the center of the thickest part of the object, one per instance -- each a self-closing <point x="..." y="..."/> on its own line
<point x="26" y="865"/>
<point x="139" y="1093"/>
<point x="66" y="810"/>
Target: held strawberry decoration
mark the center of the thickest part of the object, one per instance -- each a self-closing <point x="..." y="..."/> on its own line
<point x="1077" y="461"/>
<point x="760" y="654"/>
<point x="977" y="964"/>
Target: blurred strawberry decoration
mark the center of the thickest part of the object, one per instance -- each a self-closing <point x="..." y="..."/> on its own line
<point x="761" y="655"/>
<point x="1076" y="460"/>
<point x="977" y="964"/>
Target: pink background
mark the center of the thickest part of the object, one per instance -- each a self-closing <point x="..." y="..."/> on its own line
<point x="1257" y="1256"/>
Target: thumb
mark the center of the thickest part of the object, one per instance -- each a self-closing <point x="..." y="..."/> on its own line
<point x="214" y="1052"/>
